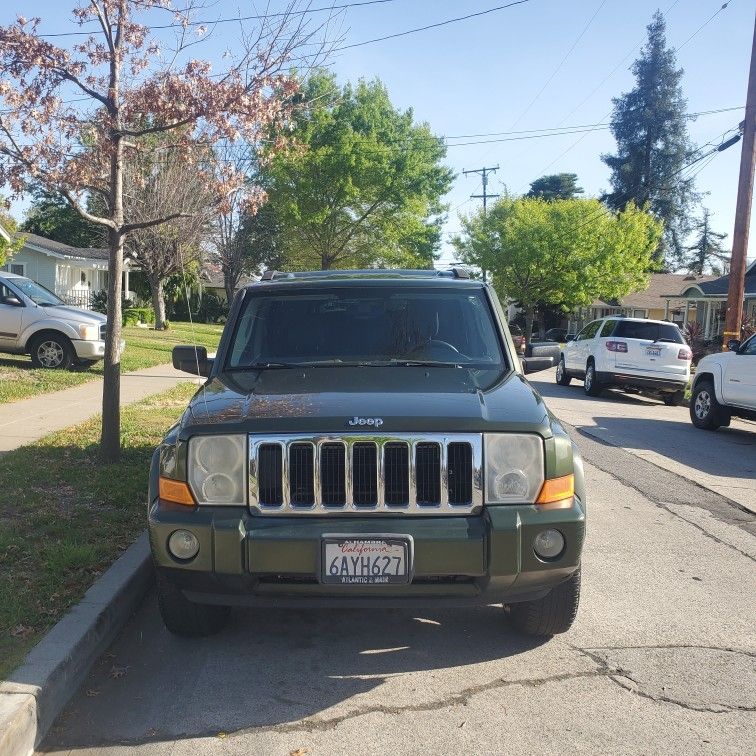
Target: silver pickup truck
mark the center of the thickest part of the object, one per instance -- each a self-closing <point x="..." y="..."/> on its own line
<point x="35" y="321"/>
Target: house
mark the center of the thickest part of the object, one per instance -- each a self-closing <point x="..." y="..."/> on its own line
<point x="211" y="278"/>
<point x="73" y="273"/>
<point x="654" y="302"/>
<point x="705" y="301"/>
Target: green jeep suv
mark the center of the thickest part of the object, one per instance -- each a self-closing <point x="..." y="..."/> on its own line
<point x="365" y="439"/>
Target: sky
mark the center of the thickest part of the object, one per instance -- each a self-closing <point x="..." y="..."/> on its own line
<point x="538" y="65"/>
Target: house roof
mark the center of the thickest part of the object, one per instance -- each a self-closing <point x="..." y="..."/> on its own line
<point x="659" y="287"/>
<point x="58" y="249"/>
<point x="718" y="287"/>
<point x="212" y="277"/>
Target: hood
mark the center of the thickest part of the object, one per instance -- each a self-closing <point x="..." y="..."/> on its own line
<point x="405" y="399"/>
<point x="74" y="314"/>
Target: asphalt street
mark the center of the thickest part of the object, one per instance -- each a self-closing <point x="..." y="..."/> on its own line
<point x="662" y="658"/>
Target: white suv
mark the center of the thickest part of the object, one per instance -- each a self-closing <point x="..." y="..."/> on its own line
<point x="628" y="352"/>
<point x="35" y="321"/>
<point x="725" y="385"/>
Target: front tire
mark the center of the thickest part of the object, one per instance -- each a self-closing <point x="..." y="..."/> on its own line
<point x="705" y="411"/>
<point x="51" y="351"/>
<point x="552" y="614"/>
<point x="185" y="618"/>
<point x="562" y="378"/>
<point x="591" y="386"/>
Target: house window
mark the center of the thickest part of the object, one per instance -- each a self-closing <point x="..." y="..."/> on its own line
<point x="18" y="268"/>
<point x="639" y="314"/>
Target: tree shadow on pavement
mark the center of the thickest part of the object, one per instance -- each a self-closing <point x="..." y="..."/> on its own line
<point x="271" y="667"/>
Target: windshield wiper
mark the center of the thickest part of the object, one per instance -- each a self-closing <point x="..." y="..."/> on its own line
<point x="425" y="363"/>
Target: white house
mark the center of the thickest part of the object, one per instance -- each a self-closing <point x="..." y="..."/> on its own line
<point x="73" y="273"/>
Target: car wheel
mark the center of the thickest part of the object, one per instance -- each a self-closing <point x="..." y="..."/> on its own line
<point x="705" y="411"/>
<point x="552" y="614"/>
<point x="591" y="386"/>
<point x="86" y="364"/>
<point x="52" y="351"/>
<point x="675" y="399"/>
<point x="184" y="617"/>
<point x="562" y="378"/>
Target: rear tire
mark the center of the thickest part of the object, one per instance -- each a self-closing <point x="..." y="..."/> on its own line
<point x="51" y="351"/>
<point x="674" y="399"/>
<point x="562" y="378"/>
<point x="705" y="411"/>
<point x="185" y="618"/>
<point x="552" y="614"/>
<point x="591" y="386"/>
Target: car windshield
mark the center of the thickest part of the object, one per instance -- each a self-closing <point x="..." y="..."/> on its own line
<point x="36" y="292"/>
<point x="366" y="326"/>
<point x="649" y="331"/>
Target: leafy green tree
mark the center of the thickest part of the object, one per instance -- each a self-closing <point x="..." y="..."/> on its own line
<point x="51" y="215"/>
<point x="564" y="253"/>
<point x="650" y="128"/>
<point x="707" y="251"/>
<point x="364" y="186"/>
<point x="555" y="186"/>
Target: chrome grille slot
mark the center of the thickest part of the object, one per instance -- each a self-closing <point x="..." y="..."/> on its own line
<point x="333" y="474"/>
<point x="460" y="473"/>
<point x="103" y="330"/>
<point x="356" y="473"/>
<point x="302" y="474"/>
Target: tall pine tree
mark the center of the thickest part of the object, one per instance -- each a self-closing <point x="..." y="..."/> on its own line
<point x="706" y="253"/>
<point x="650" y="127"/>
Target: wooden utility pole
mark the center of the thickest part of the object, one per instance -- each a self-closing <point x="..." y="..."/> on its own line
<point x="736" y="285"/>
<point x="484" y="174"/>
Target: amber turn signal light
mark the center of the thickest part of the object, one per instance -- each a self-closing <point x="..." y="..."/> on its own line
<point x="557" y="490"/>
<point x="175" y="491"/>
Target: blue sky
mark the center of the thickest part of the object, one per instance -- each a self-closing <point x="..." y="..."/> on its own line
<point x="482" y="75"/>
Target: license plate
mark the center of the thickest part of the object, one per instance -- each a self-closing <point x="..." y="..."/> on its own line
<point x="357" y="560"/>
<point x="653" y="352"/>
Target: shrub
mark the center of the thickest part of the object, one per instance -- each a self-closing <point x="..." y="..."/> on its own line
<point x="694" y="335"/>
<point x="136" y="315"/>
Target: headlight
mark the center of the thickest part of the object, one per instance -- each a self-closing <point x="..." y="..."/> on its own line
<point x="217" y="467"/>
<point x="89" y="332"/>
<point x="513" y="467"/>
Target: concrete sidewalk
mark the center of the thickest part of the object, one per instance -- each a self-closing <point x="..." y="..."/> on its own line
<point x="28" y="420"/>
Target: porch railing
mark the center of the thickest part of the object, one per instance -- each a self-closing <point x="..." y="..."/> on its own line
<point x="77" y="298"/>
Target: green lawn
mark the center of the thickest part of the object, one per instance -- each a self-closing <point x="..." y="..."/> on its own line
<point x="65" y="517"/>
<point x="144" y="348"/>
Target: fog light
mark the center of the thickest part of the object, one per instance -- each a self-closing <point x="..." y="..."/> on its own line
<point x="183" y="544"/>
<point x="548" y="544"/>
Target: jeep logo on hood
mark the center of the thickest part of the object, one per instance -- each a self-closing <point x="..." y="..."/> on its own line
<point x="376" y="422"/>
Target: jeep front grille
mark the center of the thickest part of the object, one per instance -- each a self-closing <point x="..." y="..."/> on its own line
<point x="355" y="473"/>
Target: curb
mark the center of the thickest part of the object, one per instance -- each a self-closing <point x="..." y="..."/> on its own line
<point x="35" y="693"/>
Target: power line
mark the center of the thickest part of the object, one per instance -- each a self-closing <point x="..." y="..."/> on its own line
<point x="236" y="19"/>
<point x="704" y="24"/>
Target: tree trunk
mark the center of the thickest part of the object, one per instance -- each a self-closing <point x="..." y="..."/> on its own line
<point x="528" y="324"/>
<point x="158" y="301"/>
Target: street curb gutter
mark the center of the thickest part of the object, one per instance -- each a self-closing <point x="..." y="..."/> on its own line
<point x="34" y="694"/>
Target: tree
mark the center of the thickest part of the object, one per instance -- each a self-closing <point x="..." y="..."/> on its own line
<point x="159" y="177"/>
<point x="363" y="186"/>
<point x="650" y="127"/>
<point x="11" y="245"/>
<point x="128" y="84"/>
<point x="706" y="253"/>
<point x="52" y="216"/>
<point x="555" y="186"/>
<point x="565" y="253"/>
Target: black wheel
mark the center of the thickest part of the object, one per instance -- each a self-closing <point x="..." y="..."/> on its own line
<point x="86" y="364"/>
<point x="591" y="386"/>
<point x="561" y="373"/>
<point x="52" y="351"/>
<point x="675" y="399"/>
<point x="552" y="614"/>
<point x="705" y="411"/>
<point x="184" y="617"/>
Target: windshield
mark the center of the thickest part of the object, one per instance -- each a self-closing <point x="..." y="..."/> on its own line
<point x="366" y="326"/>
<point x="36" y="292"/>
<point x="650" y="331"/>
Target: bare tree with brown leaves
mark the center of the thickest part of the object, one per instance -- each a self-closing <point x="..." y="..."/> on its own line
<point x="70" y="116"/>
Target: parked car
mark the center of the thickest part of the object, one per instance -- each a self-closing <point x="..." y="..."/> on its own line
<point x="365" y="439"/>
<point x="35" y="321"/>
<point x="558" y="334"/>
<point x="725" y="385"/>
<point x="629" y="353"/>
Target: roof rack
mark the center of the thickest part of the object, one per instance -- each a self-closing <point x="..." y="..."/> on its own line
<point x="460" y="272"/>
<point x="268" y="275"/>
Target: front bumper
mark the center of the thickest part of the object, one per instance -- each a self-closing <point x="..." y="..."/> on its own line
<point x="92" y="350"/>
<point x="258" y="561"/>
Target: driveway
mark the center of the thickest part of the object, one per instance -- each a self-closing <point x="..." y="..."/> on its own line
<point x="662" y="658"/>
<point x="723" y="461"/>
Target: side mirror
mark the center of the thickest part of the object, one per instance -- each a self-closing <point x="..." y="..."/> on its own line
<point x="733" y="345"/>
<point x="192" y="359"/>
<point x="12" y="300"/>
